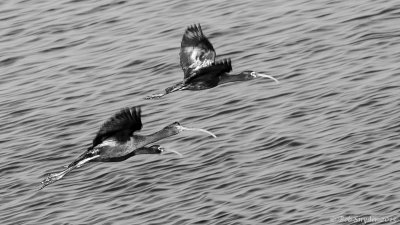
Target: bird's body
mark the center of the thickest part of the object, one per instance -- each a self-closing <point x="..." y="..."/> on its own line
<point x="116" y="141"/>
<point x="201" y="71"/>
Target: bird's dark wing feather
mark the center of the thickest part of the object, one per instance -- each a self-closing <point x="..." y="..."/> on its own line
<point x="121" y="126"/>
<point x="210" y="72"/>
<point x="196" y="50"/>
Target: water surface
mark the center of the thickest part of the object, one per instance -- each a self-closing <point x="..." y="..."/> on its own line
<point x="320" y="146"/>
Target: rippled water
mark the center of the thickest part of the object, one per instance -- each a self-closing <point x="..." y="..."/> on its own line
<point x="318" y="148"/>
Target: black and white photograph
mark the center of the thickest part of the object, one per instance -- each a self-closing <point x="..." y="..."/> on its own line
<point x="215" y="112"/>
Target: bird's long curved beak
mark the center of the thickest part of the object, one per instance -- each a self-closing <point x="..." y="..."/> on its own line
<point x="266" y="76"/>
<point x="163" y="150"/>
<point x="181" y="128"/>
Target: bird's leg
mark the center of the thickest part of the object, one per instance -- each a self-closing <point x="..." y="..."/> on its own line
<point x="176" y="87"/>
<point x="53" y="177"/>
<point x="86" y="160"/>
<point x="154" y="96"/>
<point x="225" y="78"/>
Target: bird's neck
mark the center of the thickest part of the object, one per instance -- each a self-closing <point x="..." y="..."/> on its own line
<point x="145" y="151"/>
<point x="225" y="78"/>
<point x="143" y="140"/>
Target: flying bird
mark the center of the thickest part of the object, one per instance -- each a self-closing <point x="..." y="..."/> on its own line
<point x="201" y="71"/>
<point x="117" y="141"/>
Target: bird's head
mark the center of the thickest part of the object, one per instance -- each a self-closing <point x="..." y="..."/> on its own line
<point x="176" y="128"/>
<point x="156" y="149"/>
<point x="250" y="75"/>
<point x="173" y="128"/>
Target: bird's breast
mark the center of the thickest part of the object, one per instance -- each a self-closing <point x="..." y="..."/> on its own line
<point x="112" y="149"/>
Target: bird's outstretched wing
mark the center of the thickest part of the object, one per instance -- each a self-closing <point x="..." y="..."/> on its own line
<point x="210" y="72"/>
<point x="121" y="126"/>
<point x="196" y="50"/>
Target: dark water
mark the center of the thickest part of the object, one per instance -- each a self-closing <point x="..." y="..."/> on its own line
<point x="322" y="147"/>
